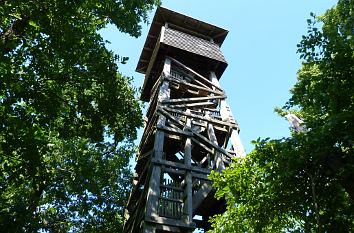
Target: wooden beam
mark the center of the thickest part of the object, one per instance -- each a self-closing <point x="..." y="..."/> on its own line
<point x="201" y="194"/>
<point x="173" y="171"/>
<point x="195" y="99"/>
<point x="191" y="32"/>
<point x="154" y="184"/>
<point x="195" y="133"/>
<point x="202" y="104"/>
<point x="211" y="120"/>
<point x="181" y="166"/>
<point x="195" y="73"/>
<point x="175" y="131"/>
<point x="165" y="228"/>
<point x="201" y="176"/>
<point x="152" y="59"/>
<point x="188" y="205"/>
<point x="202" y="145"/>
<point x="207" y="89"/>
<point x="170" y="222"/>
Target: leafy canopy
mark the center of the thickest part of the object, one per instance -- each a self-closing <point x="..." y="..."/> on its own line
<point x="304" y="183"/>
<point x="68" y="118"/>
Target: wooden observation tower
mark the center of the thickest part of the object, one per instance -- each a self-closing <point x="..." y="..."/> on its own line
<point x="189" y="131"/>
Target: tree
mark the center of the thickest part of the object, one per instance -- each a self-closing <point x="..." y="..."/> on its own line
<point x="68" y="118"/>
<point x="303" y="183"/>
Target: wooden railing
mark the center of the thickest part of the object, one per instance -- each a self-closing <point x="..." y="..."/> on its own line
<point x="171" y="199"/>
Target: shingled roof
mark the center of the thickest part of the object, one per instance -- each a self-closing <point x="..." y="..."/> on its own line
<point x="185" y="38"/>
<point x="184" y="23"/>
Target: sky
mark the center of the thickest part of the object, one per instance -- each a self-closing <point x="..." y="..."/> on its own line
<point x="260" y="50"/>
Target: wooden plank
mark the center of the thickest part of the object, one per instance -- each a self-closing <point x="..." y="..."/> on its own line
<point x="201" y="194"/>
<point x="237" y="144"/>
<point x="188" y="207"/>
<point x="136" y="186"/>
<point x="155" y="87"/>
<point x="195" y="73"/>
<point x="137" y="216"/>
<point x="211" y="120"/>
<point x="173" y="171"/>
<point x="172" y="199"/>
<point x="215" y="146"/>
<point x="148" y="130"/>
<point x="175" y="131"/>
<point x="195" y="133"/>
<point x="165" y="228"/>
<point x="145" y="155"/>
<point x="152" y="60"/>
<point x="197" y="123"/>
<point x="195" y="99"/>
<point x="219" y="165"/>
<point x="170" y="222"/>
<point x="171" y="187"/>
<point x="202" y="104"/>
<point x="154" y="184"/>
<point x="174" y="136"/>
<point x="201" y="176"/>
<point x="180" y="166"/>
<point x="202" y="145"/>
<point x="207" y="89"/>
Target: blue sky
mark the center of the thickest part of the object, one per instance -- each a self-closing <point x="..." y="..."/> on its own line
<point x="260" y="49"/>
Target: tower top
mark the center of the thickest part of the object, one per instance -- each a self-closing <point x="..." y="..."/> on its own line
<point x="195" y="40"/>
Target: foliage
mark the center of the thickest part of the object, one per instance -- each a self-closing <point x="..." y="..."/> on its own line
<point x="304" y="183"/>
<point x="68" y="118"/>
<point x="280" y="188"/>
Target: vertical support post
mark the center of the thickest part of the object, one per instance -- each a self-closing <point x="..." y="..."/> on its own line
<point x="219" y="164"/>
<point x="188" y="204"/>
<point x="152" y="202"/>
<point x="226" y="115"/>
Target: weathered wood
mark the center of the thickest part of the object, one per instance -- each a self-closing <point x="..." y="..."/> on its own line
<point x="171" y="187"/>
<point x="188" y="205"/>
<point x="201" y="194"/>
<point x="181" y="166"/>
<point x="142" y="156"/>
<point x="191" y="100"/>
<point x="155" y="87"/>
<point x="207" y="89"/>
<point x="173" y="171"/>
<point x="195" y="73"/>
<point x="226" y="114"/>
<point x="237" y="144"/>
<point x="197" y="123"/>
<point x="201" y="176"/>
<point x="174" y="131"/>
<point x="154" y="185"/>
<point x="195" y="133"/>
<point x="165" y="228"/>
<point x="199" y="105"/>
<point x="203" y="118"/>
<point x="202" y="145"/>
<point x="148" y="131"/>
<point x="153" y="57"/>
<point x="170" y="222"/>
<point x="219" y="165"/>
<point x="172" y="199"/>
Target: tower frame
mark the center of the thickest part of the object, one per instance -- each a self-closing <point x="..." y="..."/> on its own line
<point x="189" y="132"/>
